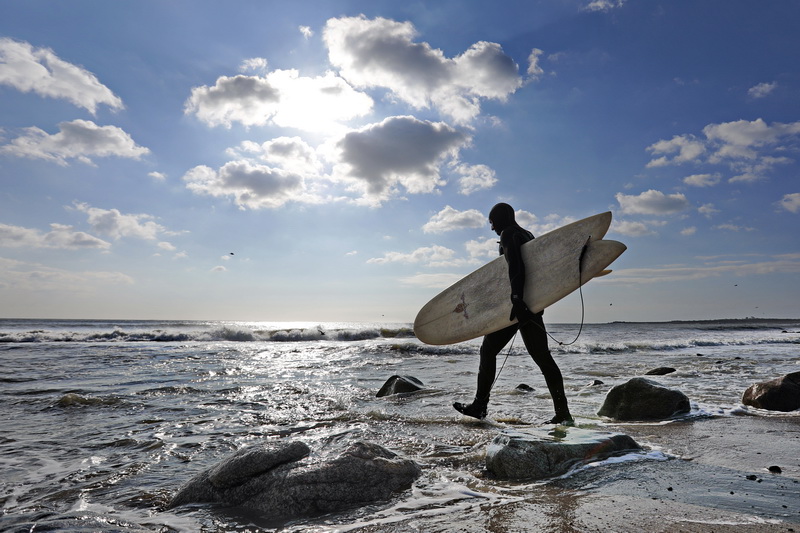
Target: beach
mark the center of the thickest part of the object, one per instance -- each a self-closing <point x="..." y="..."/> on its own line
<point x="102" y="421"/>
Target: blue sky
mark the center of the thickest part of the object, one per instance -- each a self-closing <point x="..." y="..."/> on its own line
<point x="335" y="161"/>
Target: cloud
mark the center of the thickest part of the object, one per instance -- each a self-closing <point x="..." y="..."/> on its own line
<point x="116" y="225"/>
<point x="733" y="227"/>
<point x="603" y="5"/>
<point x="534" y="70"/>
<point x="431" y="281"/>
<point x="632" y="229"/>
<point x="219" y="268"/>
<point x="691" y="230"/>
<point x="449" y="219"/>
<point x="251" y="185"/>
<point x="775" y="264"/>
<point x="430" y="256"/>
<point x="702" y="180"/>
<point x="158" y="176"/>
<point x="707" y="210"/>
<point x="791" y="202"/>
<point x="79" y="139"/>
<point x="59" y="236"/>
<point x="474" y="178"/>
<point x="481" y="250"/>
<point x="686" y="146"/>
<point x="283" y="98"/>
<point x="652" y="202"/>
<point x="254" y="64"/>
<point x="750" y="148"/>
<point x="289" y="153"/>
<point x="19" y="275"/>
<point x="305" y="31"/>
<point x="762" y="89"/>
<point x="39" y="70"/>
<point x="400" y="151"/>
<point x="381" y="53"/>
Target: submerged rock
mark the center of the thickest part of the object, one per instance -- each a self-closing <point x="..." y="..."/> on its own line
<point x="539" y="454"/>
<point x="660" y="371"/>
<point x="274" y="479"/>
<point x="400" y="385"/>
<point x="643" y="399"/>
<point x="781" y="394"/>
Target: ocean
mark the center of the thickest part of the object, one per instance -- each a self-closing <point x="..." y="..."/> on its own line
<point x="108" y="418"/>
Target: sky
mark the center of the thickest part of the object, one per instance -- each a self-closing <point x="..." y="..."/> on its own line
<point x="336" y="160"/>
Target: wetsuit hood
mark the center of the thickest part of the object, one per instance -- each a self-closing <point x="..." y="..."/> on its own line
<point x="502" y="217"/>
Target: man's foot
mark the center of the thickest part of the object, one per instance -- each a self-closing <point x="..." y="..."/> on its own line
<point x="562" y="419"/>
<point x="475" y="410"/>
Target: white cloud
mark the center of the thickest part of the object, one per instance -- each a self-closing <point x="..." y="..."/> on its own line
<point x="431" y="281"/>
<point x="36" y="277"/>
<point x="791" y="202"/>
<point x="158" y="176"/>
<point x="686" y="146"/>
<point x="250" y="185"/>
<point x="474" y="178"/>
<point x="167" y="246"/>
<point x="400" y="151"/>
<point x="254" y="64"/>
<point x="39" y="70"/>
<point x="283" y="98"/>
<point x="702" y="180"/>
<point x="762" y="89"/>
<point x="449" y="219"/>
<point x="652" y="202"/>
<point x="534" y="70"/>
<point x="306" y="31"/>
<point x="603" y="5"/>
<point x="751" y="148"/>
<point x="782" y="264"/>
<point x="381" y="53"/>
<point x="79" y="139"/>
<point x="59" y="236"/>
<point x="733" y="227"/>
<point x="691" y="230"/>
<point x="430" y="256"/>
<point x="115" y="224"/>
<point x="289" y="153"/>
<point x="631" y="229"/>
<point x="219" y="268"/>
<point x="481" y="250"/>
<point x="707" y="210"/>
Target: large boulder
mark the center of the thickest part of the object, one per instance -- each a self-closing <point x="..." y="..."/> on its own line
<point x="280" y="481"/>
<point x="781" y="394"/>
<point x="643" y="399"/>
<point x="400" y="385"/>
<point x="539" y="454"/>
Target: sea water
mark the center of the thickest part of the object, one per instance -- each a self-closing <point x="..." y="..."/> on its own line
<point x="108" y="418"/>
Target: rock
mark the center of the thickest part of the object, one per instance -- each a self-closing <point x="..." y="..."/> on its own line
<point x="781" y="394"/>
<point x="538" y="454"/>
<point x="400" y="385"/>
<point x="660" y="371"/>
<point x="596" y="383"/>
<point x="775" y="469"/>
<point x="281" y="482"/>
<point x="522" y="387"/>
<point x="643" y="399"/>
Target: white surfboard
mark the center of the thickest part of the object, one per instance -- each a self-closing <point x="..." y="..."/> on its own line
<point x="480" y="303"/>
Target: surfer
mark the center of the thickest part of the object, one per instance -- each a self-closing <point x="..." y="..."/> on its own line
<point x="529" y="324"/>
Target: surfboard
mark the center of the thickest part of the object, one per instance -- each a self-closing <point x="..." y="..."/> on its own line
<point x="480" y="302"/>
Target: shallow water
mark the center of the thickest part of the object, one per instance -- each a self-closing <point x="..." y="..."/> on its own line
<point x="110" y="417"/>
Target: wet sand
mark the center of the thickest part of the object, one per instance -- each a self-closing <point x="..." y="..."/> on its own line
<point x="718" y="481"/>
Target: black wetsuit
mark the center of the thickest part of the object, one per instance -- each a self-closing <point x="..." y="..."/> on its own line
<point x="532" y="328"/>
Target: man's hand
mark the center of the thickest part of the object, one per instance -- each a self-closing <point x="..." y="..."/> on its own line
<point x="519" y="310"/>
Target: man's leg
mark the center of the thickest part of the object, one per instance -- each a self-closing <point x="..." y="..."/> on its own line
<point x="534" y="336"/>
<point x="491" y="346"/>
